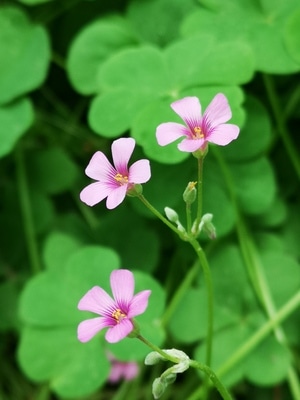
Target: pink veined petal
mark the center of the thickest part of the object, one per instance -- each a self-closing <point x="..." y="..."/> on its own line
<point x="122" y="286"/>
<point x="189" y="109"/>
<point x="191" y="145"/>
<point x="99" y="168"/>
<point x="224" y="134"/>
<point x="168" y="132"/>
<point x="122" y="150"/>
<point x="116" y="196"/>
<point x="98" y="301"/>
<point x="95" y="192"/>
<point x="119" y="331"/>
<point x="217" y="112"/>
<point x="139" y="172"/>
<point x="89" y="328"/>
<point x="139" y="303"/>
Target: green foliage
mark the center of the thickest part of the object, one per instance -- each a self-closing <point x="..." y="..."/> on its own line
<point x="74" y="76"/>
<point x="51" y="318"/>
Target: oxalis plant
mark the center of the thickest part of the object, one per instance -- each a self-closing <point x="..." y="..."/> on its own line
<point x="114" y="182"/>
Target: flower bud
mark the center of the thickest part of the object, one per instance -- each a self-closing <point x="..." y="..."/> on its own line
<point x="207" y="226"/>
<point x="158" y="388"/>
<point x="190" y="193"/>
<point x="171" y="215"/>
<point x="152" y="358"/>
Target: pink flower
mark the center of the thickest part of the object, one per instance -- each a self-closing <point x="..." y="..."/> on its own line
<point x="114" y="181"/>
<point x="199" y="130"/>
<point x="115" y="314"/>
<point x="122" y="370"/>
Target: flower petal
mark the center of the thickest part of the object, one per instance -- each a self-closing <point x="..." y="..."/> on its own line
<point x="191" y="145"/>
<point x="139" y="172"/>
<point x="139" y="303"/>
<point x="98" y="301"/>
<point x="217" y="112"/>
<point x="122" y="286"/>
<point x="119" y="331"/>
<point x="99" y="168"/>
<point x="95" y="192"/>
<point x="189" y="109"/>
<point x="168" y="132"/>
<point x="224" y="134"/>
<point x="90" y="327"/>
<point x="116" y="372"/>
<point x="116" y="196"/>
<point x="122" y="150"/>
<point x="130" y="370"/>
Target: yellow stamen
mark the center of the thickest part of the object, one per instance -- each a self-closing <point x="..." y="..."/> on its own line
<point x="191" y="185"/>
<point x="198" y="134"/>
<point x="118" y="315"/>
<point x="121" y="178"/>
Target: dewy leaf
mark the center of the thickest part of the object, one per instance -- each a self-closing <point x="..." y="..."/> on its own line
<point x="259" y="27"/>
<point x="24" y="54"/>
<point x="94" y="44"/>
<point x="15" y="119"/>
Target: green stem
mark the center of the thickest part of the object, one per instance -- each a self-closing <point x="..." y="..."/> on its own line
<point x="200" y="190"/>
<point x="192" y="363"/>
<point x="242" y="352"/>
<point x="213" y="377"/>
<point x="188" y="218"/>
<point x="152" y="346"/>
<point x="160" y="216"/>
<point x="26" y="210"/>
<point x="206" y="271"/>
<point x="209" y="288"/>
<point x="280" y="122"/>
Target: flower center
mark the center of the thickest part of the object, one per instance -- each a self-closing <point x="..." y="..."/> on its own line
<point x="118" y="315"/>
<point x="122" y="179"/>
<point x="198" y="134"/>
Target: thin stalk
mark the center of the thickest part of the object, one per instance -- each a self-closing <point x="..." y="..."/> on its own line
<point x="26" y="209"/>
<point x="280" y="122"/>
<point x="199" y="191"/>
<point x="188" y="217"/>
<point x="160" y="216"/>
<point x="210" y="299"/>
<point x="214" y="379"/>
<point x="152" y="346"/>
